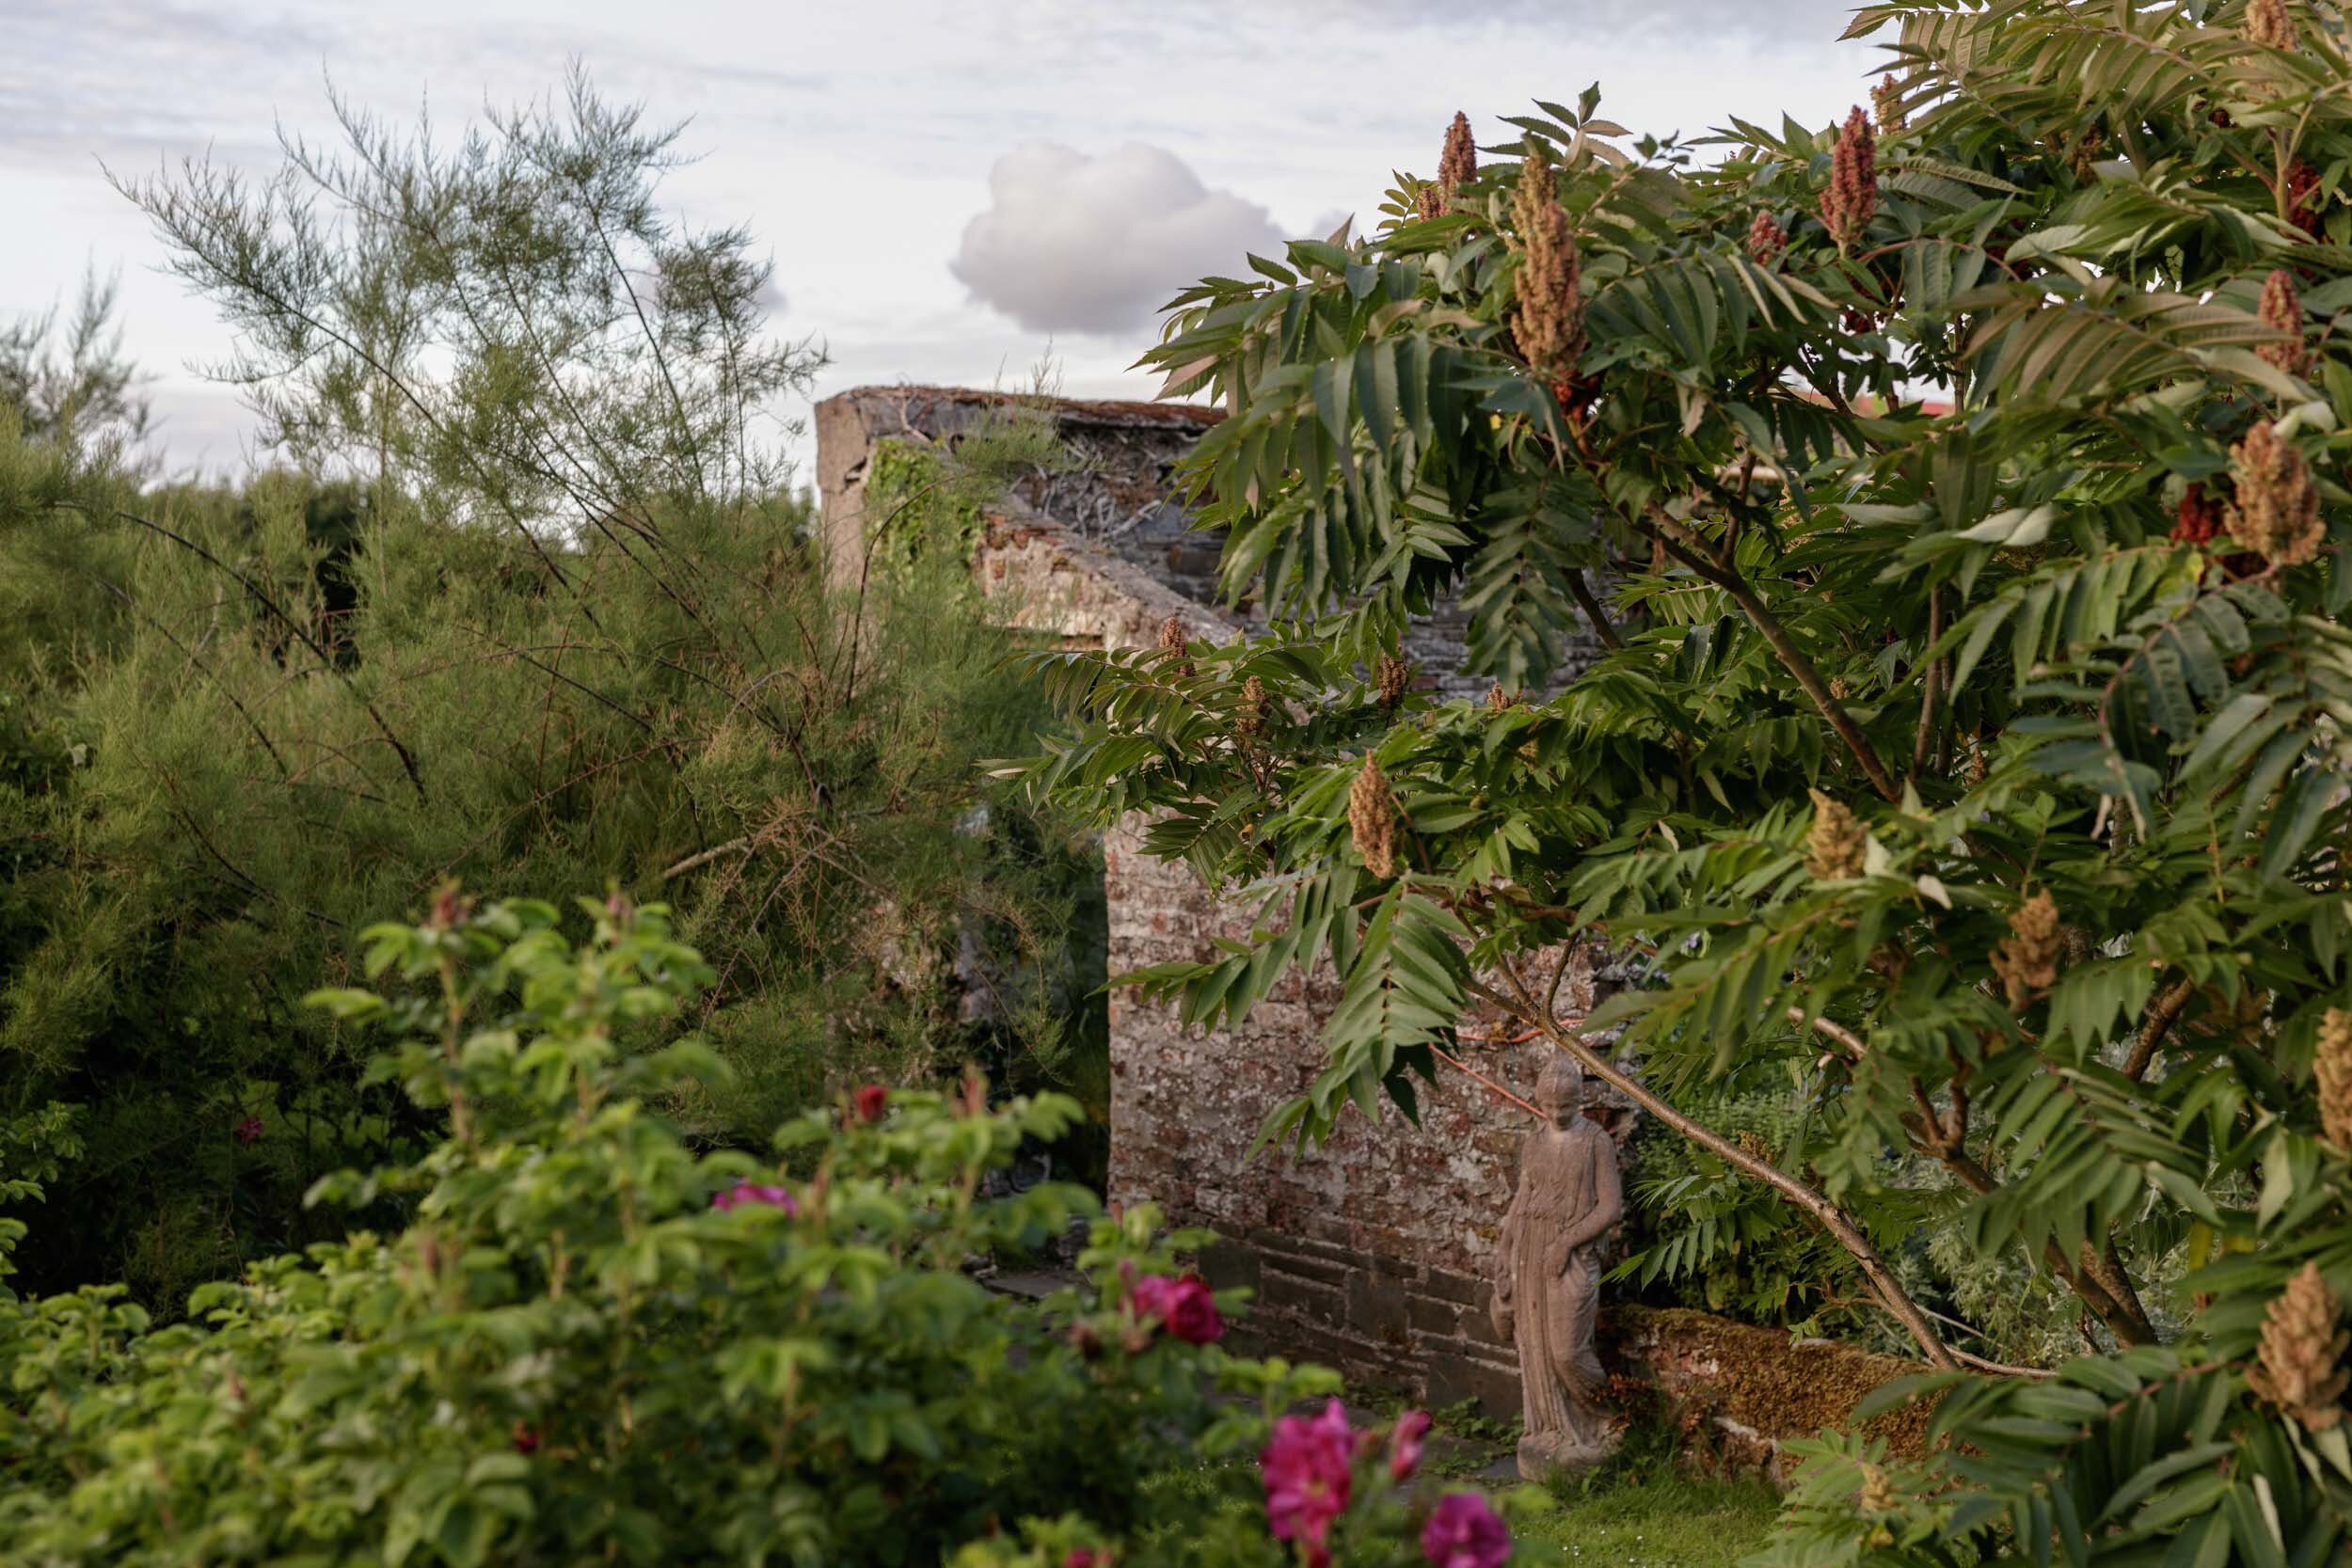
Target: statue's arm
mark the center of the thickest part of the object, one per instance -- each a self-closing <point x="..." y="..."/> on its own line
<point x="1608" y="1195"/>
<point x="1507" y="1251"/>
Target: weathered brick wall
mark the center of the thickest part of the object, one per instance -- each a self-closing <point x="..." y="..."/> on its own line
<point x="1367" y="1254"/>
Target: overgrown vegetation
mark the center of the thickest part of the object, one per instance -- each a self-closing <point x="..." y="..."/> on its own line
<point x="1977" y="769"/>
<point x="587" y="1342"/>
<point x="530" y="604"/>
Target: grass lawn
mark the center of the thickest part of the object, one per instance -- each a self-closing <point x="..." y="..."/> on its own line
<point x="1661" y="1518"/>
<point x="1643" y="1508"/>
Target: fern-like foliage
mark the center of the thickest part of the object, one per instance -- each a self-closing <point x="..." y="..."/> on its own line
<point x="1969" y="748"/>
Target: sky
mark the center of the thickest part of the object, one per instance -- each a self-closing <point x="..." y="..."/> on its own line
<point x="949" y="192"/>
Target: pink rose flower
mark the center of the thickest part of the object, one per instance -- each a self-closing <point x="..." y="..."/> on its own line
<point x="1465" y="1532"/>
<point x="1183" y="1307"/>
<point x="872" y="1100"/>
<point x="1306" y="1470"/>
<point x="765" y="1194"/>
<point x="1405" y="1443"/>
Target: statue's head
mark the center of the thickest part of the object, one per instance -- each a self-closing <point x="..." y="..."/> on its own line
<point x="1560" y="1089"/>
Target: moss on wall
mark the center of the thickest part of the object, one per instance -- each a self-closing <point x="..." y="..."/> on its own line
<point x="1761" y="1378"/>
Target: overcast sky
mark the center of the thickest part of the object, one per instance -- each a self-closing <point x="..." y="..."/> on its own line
<point x="947" y="189"/>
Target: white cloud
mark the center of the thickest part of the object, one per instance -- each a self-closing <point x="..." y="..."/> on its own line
<point x="1075" y="243"/>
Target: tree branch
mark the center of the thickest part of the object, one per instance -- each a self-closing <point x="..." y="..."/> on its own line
<point x="1685" y="546"/>
<point x="1581" y="591"/>
<point x="2163" y="1013"/>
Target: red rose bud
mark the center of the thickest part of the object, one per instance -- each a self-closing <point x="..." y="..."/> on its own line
<point x="1405" y="1443"/>
<point x="871" y="1103"/>
<point x="1183" y="1307"/>
<point x="526" y="1438"/>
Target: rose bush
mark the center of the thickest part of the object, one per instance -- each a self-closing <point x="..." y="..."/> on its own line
<point x="590" y="1341"/>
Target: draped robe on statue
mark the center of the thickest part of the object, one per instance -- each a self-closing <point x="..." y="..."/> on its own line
<point x="1547" y="1286"/>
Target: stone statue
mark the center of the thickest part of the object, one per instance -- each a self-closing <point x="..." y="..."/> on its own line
<point x="1547" y="1280"/>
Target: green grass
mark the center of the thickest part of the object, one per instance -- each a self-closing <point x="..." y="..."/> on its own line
<point x="1666" y="1519"/>
<point x="1645" y="1508"/>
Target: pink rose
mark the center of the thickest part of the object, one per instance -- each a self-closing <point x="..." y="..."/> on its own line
<point x="1306" y="1469"/>
<point x="765" y="1194"/>
<point x="1183" y="1307"/>
<point x="1463" y="1532"/>
<point x="1405" y="1443"/>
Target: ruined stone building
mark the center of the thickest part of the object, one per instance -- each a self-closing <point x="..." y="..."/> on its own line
<point x="1369" y="1253"/>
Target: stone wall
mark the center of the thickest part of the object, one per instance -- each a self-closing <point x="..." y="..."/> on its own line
<point x="1368" y="1253"/>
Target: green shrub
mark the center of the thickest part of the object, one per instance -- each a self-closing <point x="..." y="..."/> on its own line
<point x="589" y="1342"/>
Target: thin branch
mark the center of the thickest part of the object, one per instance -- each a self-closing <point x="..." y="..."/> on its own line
<point x="2163" y="1013"/>
<point x="733" y="845"/>
<point x="1836" y="1034"/>
<point x="1685" y="546"/>
<point x="1931" y="686"/>
<point x="1496" y="1089"/>
<point x="293" y="625"/>
<point x="1581" y="591"/>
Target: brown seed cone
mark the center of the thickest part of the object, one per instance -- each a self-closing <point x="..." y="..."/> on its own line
<point x="1548" y="324"/>
<point x="2331" y="1070"/>
<point x="1457" y="164"/>
<point x="1766" y="242"/>
<point x="2086" y="152"/>
<point x="1391" y="679"/>
<point x="1498" y="699"/>
<point x="2300" y="1349"/>
<point x="1886" y="104"/>
<point x="1836" y="846"/>
<point x="1877" y="1493"/>
<point x="2269" y="23"/>
<point x="1249" y="719"/>
<point x="1172" y="643"/>
<point x="1852" y="197"/>
<point x="2198" y="518"/>
<point x="2282" y="310"/>
<point x="1428" y="203"/>
<point x="2274" y="507"/>
<point x="2027" y="959"/>
<point x="1371" y="819"/>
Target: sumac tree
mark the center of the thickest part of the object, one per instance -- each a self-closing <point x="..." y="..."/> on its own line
<point x="1959" y="493"/>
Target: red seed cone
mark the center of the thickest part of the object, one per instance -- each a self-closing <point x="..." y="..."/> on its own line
<point x="1548" y="324"/>
<point x="2282" y="312"/>
<point x="1852" y="197"/>
<point x="1457" y="164"/>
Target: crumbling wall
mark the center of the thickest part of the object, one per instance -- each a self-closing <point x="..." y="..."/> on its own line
<point x="1367" y="1254"/>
